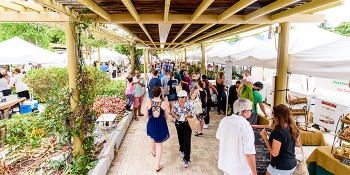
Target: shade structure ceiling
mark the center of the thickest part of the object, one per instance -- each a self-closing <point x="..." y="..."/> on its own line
<point x="189" y="21"/>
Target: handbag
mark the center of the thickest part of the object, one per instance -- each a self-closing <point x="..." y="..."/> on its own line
<point x="214" y="98"/>
<point x="301" y="168"/>
<point x="178" y="88"/>
<point x="197" y="105"/>
<point x="193" y="122"/>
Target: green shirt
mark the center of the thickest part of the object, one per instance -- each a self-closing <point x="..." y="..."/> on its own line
<point x="177" y="76"/>
<point x="257" y="99"/>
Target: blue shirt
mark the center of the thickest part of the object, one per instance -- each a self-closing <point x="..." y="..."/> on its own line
<point x="152" y="83"/>
<point x="161" y="76"/>
<point x="104" y="67"/>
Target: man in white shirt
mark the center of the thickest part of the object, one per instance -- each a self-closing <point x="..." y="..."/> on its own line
<point x="237" y="150"/>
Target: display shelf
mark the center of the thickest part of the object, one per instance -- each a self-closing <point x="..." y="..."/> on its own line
<point x="345" y="120"/>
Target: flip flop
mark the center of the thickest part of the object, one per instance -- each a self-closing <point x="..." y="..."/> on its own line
<point x="140" y="115"/>
<point x="154" y="155"/>
<point x="197" y="134"/>
<point x="160" y="168"/>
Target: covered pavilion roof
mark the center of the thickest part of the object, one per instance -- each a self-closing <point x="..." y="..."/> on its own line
<point x="171" y="23"/>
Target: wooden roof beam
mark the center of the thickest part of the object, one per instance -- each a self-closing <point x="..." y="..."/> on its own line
<point x="245" y="28"/>
<point x="55" y="6"/>
<point x="164" y="29"/>
<point x="183" y="29"/>
<point x="166" y="10"/>
<point x="303" y="8"/>
<point x="200" y="30"/>
<point x="30" y="5"/>
<point x="146" y="32"/>
<point x="269" y="8"/>
<point x="95" y="8"/>
<point x="12" y="6"/>
<point x="235" y="8"/>
<point x="131" y="33"/>
<point x="201" y="8"/>
<point x="218" y="30"/>
<point x="33" y="17"/>
<point x="325" y="7"/>
<point x="131" y="8"/>
<point x="209" y="19"/>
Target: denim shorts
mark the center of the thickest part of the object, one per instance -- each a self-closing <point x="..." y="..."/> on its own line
<point x="274" y="171"/>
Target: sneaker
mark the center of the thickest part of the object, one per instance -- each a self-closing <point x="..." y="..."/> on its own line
<point x="182" y="154"/>
<point x="206" y="126"/>
<point x="186" y="164"/>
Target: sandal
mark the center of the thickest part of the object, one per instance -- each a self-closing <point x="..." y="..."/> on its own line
<point x="154" y="155"/>
<point x="198" y="134"/>
<point x="136" y="119"/>
<point x="159" y="168"/>
<point x="140" y="115"/>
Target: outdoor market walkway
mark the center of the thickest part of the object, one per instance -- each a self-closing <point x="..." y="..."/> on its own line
<point x="134" y="157"/>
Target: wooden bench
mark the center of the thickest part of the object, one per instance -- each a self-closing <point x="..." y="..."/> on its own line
<point x="2" y="135"/>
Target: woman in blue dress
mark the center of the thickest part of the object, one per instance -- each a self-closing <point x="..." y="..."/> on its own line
<point x="157" y="112"/>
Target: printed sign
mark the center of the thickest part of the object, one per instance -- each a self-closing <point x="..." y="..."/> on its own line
<point x="262" y="155"/>
<point x="228" y="73"/>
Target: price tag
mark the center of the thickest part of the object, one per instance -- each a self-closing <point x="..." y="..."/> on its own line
<point x="345" y="161"/>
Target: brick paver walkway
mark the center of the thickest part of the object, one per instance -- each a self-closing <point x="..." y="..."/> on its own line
<point x="134" y="157"/>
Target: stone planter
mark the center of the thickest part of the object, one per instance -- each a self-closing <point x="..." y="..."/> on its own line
<point x="107" y="154"/>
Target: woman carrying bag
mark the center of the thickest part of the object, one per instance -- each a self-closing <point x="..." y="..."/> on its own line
<point x="281" y="144"/>
<point x="183" y="112"/>
<point x="200" y="96"/>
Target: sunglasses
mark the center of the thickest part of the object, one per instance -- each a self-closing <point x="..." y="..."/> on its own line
<point x="182" y="97"/>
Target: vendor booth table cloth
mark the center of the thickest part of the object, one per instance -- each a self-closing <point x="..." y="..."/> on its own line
<point x="322" y="162"/>
<point x="263" y="120"/>
<point x="309" y="138"/>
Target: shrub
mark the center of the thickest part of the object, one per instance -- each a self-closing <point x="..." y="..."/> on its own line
<point x="114" y="88"/>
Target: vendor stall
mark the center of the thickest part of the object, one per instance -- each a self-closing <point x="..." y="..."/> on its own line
<point x="321" y="161"/>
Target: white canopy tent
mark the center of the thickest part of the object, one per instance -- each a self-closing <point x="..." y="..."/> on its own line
<point x="18" y="51"/>
<point x="303" y="43"/>
<point x="219" y="52"/>
<point x="330" y="60"/>
<point x="108" y="55"/>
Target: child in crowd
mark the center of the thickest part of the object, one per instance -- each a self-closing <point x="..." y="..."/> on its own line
<point x="128" y="92"/>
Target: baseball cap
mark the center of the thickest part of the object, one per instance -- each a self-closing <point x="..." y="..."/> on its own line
<point x="259" y="84"/>
<point x="182" y="94"/>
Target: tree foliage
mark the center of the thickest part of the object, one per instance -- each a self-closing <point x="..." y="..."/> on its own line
<point x="125" y="50"/>
<point x="32" y="32"/>
<point x="343" y="29"/>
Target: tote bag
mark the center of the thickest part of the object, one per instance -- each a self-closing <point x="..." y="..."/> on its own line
<point x="197" y="105"/>
<point x="301" y="168"/>
<point x="193" y="122"/>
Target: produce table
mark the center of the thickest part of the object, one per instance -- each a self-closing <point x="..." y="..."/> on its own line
<point x="5" y="106"/>
<point x="312" y="138"/>
<point x="322" y="162"/>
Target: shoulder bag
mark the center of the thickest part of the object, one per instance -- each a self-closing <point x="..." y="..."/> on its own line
<point x="197" y="105"/>
<point x="301" y="168"/>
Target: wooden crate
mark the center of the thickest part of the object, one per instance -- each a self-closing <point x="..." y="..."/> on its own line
<point x="2" y="135"/>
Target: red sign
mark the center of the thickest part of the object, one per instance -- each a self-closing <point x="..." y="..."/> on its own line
<point x="329" y="104"/>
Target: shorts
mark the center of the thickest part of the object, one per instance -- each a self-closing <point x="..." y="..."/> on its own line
<point x="137" y="102"/>
<point x="172" y="97"/>
<point x="24" y="94"/>
<point x="275" y="171"/>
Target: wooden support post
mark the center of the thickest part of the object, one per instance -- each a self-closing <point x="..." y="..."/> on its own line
<point x="2" y="135"/>
<point x="282" y="64"/>
<point x="203" y="58"/>
<point x="72" y="75"/>
<point x="145" y="63"/>
<point x="185" y="58"/>
<point x="98" y="57"/>
<point x="132" y="57"/>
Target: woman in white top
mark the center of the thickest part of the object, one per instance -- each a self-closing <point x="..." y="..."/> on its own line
<point x="4" y="86"/>
<point x="21" y="87"/>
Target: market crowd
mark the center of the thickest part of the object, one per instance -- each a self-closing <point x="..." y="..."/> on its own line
<point x="187" y="97"/>
<point x="12" y="80"/>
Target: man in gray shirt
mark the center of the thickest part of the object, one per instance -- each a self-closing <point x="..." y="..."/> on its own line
<point x="164" y="82"/>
